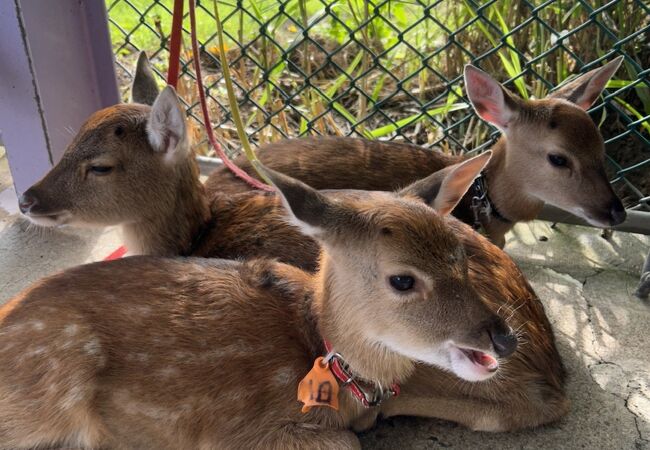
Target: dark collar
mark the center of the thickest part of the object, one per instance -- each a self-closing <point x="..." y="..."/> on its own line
<point x="481" y="204"/>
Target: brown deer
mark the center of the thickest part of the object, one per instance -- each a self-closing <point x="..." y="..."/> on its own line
<point x="550" y="151"/>
<point x="148" y="352"/>
<point x="111" y="175"/>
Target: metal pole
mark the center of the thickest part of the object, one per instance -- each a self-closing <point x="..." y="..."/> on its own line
<point x="57" y="69"/>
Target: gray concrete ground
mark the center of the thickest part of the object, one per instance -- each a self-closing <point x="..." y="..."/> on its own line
<point x="585" y="282"/>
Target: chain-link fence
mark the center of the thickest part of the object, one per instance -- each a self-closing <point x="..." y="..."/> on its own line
<point x="393" y="69"/>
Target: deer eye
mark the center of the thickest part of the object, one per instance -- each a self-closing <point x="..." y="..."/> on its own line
<point x="100" y="170"/>
<point x="402" y="282"/>
<point x="557" y="160"/>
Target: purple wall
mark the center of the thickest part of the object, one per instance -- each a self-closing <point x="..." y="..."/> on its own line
<point x="57" y="68"/>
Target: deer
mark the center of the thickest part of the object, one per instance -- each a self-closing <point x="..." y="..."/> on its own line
<point x="149" y="352"/>
<point x="113" y="173"/>
<point x="550" y="151"/>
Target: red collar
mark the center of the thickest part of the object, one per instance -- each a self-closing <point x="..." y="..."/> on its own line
<point x="342" y="373"/>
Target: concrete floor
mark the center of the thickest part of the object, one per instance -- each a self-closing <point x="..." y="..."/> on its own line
<point x="585" y="282"/>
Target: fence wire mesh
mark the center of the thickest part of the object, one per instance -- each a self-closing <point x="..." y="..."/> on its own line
<point x="393" y="69"/>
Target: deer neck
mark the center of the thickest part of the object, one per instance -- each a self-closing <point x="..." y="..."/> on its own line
<point x="344" y="331"/>
<point x="180" y="221"/>
<point x="506" y="190"/>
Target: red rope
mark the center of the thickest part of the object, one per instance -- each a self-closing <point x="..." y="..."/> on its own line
<point x="117" y="253"/>
<point x="206" y="117"/>
<point x="175" y="44"/>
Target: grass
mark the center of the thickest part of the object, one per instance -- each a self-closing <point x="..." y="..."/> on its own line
<point x="383" y="69"/>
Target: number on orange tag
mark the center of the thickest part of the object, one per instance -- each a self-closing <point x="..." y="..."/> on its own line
<point x="319" y="387"/>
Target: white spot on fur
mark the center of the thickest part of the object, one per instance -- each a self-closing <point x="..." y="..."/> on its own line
<point x="37" y="351"/>
<point x="71" y="329"/>
<point x="169" y="372"/>
<point x="92" y="347"/>
<point x="38" y="325"/>
<point x="74" y="395"/>
<point x="34" y="352"/>
<point x="125" y="401"/>
<point x="143" y="310"/>
<point x="183" y="356"/>
<point x="13" y="329"/>
<point x="284" y="375"/>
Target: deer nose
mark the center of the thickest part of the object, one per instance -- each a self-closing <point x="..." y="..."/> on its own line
<point x="617" y="212"/>
<point x="504" y="342"/>
<point x="26" y="202"/>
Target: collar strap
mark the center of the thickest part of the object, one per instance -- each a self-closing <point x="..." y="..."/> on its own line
<point x="342" y="372"/>
<point x="482" y="205"/>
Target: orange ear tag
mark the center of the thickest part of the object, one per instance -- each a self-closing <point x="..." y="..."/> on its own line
<point x="319" y="387"/>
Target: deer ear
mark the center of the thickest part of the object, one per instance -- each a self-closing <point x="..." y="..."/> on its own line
<point x="308" y="209"/>
<point x="585" y="90"/>
<point x="445" y="188"/>
<point x="166" y="125"/>
<point x="491" y="101"/>
<point x="144" y="88"/>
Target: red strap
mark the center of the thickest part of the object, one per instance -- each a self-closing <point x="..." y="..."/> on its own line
<point x="206" y="117"/>
<point x="117" y="254"/>
<point x="342" y="376"/>
<point x="175" y="44"/>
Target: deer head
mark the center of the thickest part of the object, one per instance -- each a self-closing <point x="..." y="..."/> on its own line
<point x="554" y="153"/>
<point x="125" y="164"/>
<point x="394" y="276"/>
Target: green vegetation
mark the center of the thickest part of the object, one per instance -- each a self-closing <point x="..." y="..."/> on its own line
<point x="388" y="67"/>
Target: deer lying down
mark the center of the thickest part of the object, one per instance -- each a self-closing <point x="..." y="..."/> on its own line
<point x="550" y="151"/>
<point x="131" y="165"/>
<point x="155" y="353"/>
<point x="155" y="194"/>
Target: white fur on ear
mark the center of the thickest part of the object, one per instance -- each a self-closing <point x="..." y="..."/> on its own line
<point x="166" y="128"/>
<point x="488" y="98"/>
<point x="304" y="227"/>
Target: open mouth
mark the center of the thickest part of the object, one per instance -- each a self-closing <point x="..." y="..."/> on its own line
<point x="481" y="359"/>
<point x="471" y="364"/>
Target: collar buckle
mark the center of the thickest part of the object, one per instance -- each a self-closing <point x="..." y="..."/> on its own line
<point x="368" y="398"/>
<point x="480" y="204"/>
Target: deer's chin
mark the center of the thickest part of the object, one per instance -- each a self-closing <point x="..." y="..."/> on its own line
<point x="466" y="363"/>
<point x="472" y="365"/>
<point x="50" y="220"/>
<point x="602" y="220"/>
<point x="598" y="220"/>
